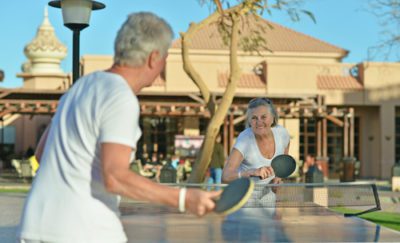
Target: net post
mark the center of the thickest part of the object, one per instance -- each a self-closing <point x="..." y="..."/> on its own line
<point x="376" y="208"/>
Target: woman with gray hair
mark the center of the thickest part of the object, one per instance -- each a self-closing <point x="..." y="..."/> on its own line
<point x="256" y="146"/>
<point x="84" y="154"/>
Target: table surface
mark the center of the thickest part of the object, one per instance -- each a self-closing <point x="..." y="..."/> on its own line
<point x="153" y="223"/>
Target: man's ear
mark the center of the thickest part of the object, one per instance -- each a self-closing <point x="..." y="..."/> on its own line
<point x="153" y="58"/>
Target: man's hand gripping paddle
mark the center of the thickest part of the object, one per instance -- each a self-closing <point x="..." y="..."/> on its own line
<point x="234" y="196"/>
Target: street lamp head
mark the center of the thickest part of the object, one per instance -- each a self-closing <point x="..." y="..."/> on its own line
<point x="76" y="16"/>
<point x="76" y="13"/>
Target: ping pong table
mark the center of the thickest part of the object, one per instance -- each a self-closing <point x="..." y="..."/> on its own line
<point x="153" y="223"/>
<point x="145" y="222"/>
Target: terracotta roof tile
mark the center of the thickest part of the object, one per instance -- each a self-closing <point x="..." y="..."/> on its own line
<point x="247" y="80"/>
<point x="338" y="82"/>
<point x="278" y="38"/>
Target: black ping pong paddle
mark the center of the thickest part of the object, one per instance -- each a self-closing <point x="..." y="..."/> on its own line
<point x="234" y="196"/>
<point x="283" y="165"/>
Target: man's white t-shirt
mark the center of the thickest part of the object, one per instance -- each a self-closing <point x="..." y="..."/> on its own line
<point x="68" y="201"/>
<point x="246" y="144"/>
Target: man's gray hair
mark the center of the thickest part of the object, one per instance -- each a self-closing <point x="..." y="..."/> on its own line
<point x="256" y="102"/>
<point x="142" y="33"/>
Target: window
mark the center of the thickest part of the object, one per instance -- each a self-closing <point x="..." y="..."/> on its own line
<point x="307" y="137"/>
<point x="335" y="142"/>
<point x="158" y="135"/>
<point x="203" y="124"/>
<point x="7" y="141"/>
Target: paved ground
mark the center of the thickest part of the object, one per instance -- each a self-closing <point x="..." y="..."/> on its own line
<point x="10" y="211"/>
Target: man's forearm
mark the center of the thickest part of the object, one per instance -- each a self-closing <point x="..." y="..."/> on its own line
<point x="129" y="184"/>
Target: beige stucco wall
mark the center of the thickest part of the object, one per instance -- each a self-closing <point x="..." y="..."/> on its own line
<point x="91" y="63"/>
<point x="208" y="68"/>
<point x="377" y="141"/>
<point x="284" y="75"/>
<point x="45" y="81"/>
<point x="387" y="138"/>
<point x="382" y="82"/>
<point x="282" y="71"/>
<point x="370" y="140"/>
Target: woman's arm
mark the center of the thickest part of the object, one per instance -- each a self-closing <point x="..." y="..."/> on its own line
<point x="231" y="173"/>
<point x="287" y="149"/>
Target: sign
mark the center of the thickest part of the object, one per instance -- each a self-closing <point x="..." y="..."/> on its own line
<point x="188" y="146"/>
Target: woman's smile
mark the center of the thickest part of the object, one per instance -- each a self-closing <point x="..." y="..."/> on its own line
<point x="261" y="119"/>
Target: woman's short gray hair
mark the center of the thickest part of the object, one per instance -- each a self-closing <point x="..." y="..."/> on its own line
<point x="256" y="102"/>
<point x="142" y="33"/>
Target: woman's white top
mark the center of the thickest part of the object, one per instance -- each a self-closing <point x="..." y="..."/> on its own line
<point x="246" y="144"/>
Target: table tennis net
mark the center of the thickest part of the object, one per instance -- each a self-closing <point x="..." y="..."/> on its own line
<point x="359" y="198"/>
<point x="338" y="195"/>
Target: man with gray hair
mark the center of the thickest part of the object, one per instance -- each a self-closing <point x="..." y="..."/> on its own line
<point x="84" y="155"/>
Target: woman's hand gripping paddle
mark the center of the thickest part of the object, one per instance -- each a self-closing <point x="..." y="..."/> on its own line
<point x="284" y="165"/>
<point x="234" y="196"/>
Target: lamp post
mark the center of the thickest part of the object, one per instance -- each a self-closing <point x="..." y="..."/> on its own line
<point x="76" y="16"/>
<point x="2" y="142"/>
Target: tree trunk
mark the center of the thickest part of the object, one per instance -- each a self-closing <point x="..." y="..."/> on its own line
<point x="203" y="160"/>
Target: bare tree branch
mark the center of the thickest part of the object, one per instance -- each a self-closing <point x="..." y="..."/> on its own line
<point x="388" y="14"/>
<point x="219" y="6"/>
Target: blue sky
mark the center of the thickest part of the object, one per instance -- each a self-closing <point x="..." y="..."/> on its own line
<point x="340" y="22"/>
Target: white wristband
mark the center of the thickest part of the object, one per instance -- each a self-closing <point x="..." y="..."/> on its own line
<point x="182" y="197"/>
<point x="239" y="174"/>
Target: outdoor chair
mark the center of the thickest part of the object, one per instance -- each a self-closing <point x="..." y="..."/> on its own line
<point x="137" y="167"/>
<point x="168" y="174"/>
<point x="23" y="168"/>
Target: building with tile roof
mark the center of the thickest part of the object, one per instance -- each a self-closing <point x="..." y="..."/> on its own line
<point x="332" y="109"/>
